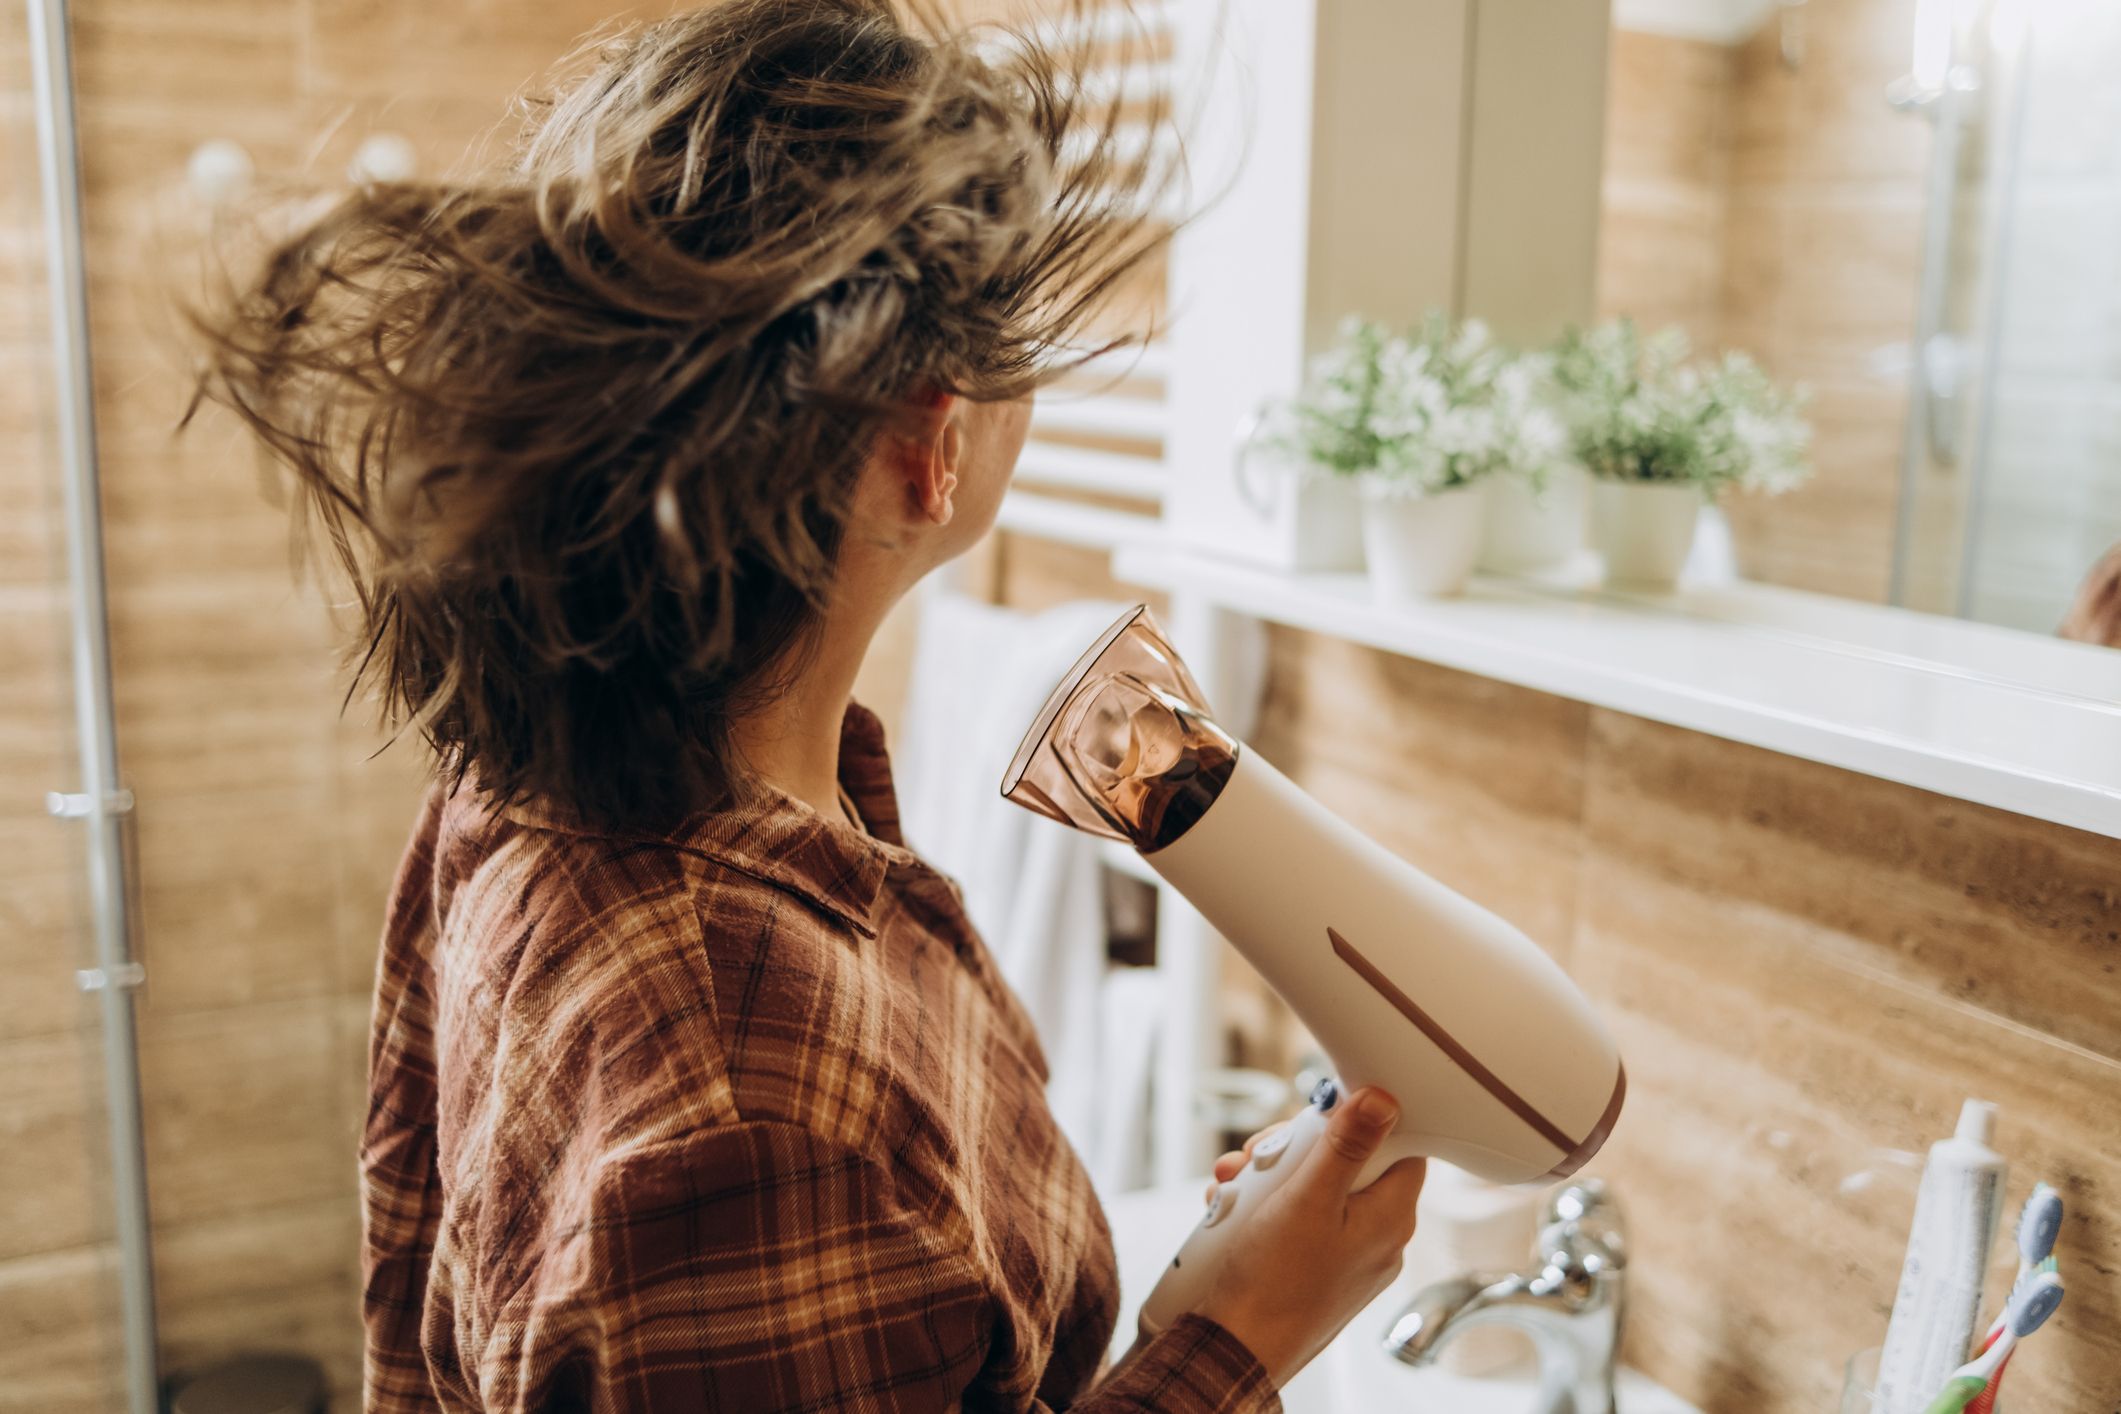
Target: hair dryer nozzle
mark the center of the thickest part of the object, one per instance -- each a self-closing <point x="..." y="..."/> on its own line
<point x="1125" y="747"/>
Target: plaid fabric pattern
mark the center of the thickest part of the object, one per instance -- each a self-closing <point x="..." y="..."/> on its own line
<point x="738" y="1118"/>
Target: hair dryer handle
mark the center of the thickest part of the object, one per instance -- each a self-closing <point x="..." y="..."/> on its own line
<point x="1191" y="1275"/>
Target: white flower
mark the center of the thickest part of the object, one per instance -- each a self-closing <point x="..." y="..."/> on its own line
<point x="1433" y="409"/>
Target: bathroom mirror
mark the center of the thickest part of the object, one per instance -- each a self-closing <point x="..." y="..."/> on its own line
<point x="1913" y="209"/>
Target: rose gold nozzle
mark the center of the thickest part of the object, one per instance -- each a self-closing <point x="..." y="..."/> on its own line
<point x="1125" y="746"/>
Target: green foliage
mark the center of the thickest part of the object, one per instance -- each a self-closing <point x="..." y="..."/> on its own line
<point x="1640" y="409"/>
<point x="1422" y="412"/>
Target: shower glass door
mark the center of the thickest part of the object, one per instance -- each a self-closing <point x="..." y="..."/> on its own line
<point x="2013" y="475"/>
<point x="62" y="1345"/>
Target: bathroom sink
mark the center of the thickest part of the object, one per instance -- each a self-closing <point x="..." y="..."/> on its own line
<point x="1354" y="1375"/>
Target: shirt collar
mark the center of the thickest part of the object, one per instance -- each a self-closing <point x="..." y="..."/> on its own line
<point x="779" y="840"/>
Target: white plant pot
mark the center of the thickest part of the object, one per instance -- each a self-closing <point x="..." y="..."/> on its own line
<point x="1325" y="524"/>
<point x="1532" y="530"/>
<point x="1420" y="546"/>
<point x="1297" y="517"/>
<point x="1644" y="530"/>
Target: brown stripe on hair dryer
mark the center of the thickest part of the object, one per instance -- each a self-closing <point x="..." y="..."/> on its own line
<point x="1497" y="1059"/>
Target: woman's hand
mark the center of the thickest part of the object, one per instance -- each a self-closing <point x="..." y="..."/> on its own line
<point x="1230" y="1165"/>
<point x="1315" y="1252"/>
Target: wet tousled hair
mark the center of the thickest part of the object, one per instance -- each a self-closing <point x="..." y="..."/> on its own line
<point x="583" y="434"/>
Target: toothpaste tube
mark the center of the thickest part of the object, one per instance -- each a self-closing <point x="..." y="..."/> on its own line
<point x="1938" y="1307"/>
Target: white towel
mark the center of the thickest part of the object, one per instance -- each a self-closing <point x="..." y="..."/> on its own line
<point x="1131" y="1017"/>
<point x="1032" y="887"/>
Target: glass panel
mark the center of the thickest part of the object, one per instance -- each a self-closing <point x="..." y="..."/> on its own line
<point x="60" y="1331"/>
<point x="2047" y="496"/>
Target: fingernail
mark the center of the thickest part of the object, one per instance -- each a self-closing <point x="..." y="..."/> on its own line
<point x="1375" y="1109"/>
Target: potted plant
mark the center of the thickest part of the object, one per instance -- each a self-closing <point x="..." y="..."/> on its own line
<point x="1316" y="513"/>
<point x="1537" y="504"/>
<point x="1661" y="433"/>
<point x="1416" y="422"/>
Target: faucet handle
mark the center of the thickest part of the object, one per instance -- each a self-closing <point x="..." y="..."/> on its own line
<point x="1584" y="1228"/>
<point x="1577" y="1200"/>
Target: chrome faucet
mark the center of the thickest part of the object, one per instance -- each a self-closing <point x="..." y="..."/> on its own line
<point x="1570" y="1301"/>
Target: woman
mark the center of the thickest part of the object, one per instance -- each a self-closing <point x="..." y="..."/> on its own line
<point x="691" y="1087"/>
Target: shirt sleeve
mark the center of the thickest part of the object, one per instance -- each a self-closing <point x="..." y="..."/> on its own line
<point x="756" y="1267"/>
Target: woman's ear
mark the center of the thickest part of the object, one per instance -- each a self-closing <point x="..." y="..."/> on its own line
<point x="934" y="460"/>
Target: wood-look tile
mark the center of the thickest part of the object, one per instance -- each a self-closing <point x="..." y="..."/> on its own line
<point x="1755" y="270"/>
<point x="32" y="543"/>
<point x="1472" y="780"/>
<point x="1660" y="264"/>
<point x="32" y="555"/>
<point x="51" y="1130"/>
<point x="1765" y="1073"/>
<point x="1668" y="104"/>
<point x="1854" y="254"/>
<point x="23" y="302"/>
<point x="44" y="937"/>
<point x="378" y="801"/>
<point x="1665" y="185"/>
<point x="58" y="1333"/>
<point x="1836" y="533"/>
<point x="221" y="687"/>
<point x="14" y="50"/>
<point x="200" y="508"/>
<point x="482" y="47"/>
<point x="43" y="882"/>
<point x="353" y="1017"/>
<point x="236" y="896"/>
<point x="282" y="1278"/>
<point x="1831" y="537"/>
<point x="238" y="1108"/>
<point x="136" y="201"/>
<point x="35" y="692"/>
<point x="162" y="56"/>
<point x="1826" y="116"/>
<point x="452" y="133"/>
<point x="1838" y="131"/>
<point x="2013" y="916"/>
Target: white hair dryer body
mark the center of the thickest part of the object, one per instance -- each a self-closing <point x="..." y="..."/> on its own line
<point x="1498" y="1062"/>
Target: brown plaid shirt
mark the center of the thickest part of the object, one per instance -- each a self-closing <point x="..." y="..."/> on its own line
<point x="739" y="1118"/>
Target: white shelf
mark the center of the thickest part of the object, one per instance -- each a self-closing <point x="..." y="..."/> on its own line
<point x="2012" y="720"/>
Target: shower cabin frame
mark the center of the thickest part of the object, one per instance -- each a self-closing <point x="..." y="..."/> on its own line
<point x="1948" y="442"/>
<point x="101" y="804"/>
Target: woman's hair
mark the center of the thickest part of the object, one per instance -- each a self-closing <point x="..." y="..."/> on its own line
<point x="582" y="434"/>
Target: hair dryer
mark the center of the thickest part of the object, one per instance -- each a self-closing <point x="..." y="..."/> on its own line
<point x="1498" y="1062"/>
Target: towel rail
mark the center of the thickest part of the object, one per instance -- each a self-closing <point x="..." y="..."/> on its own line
<point x="1102" y="473"/>
<point x="1118" y="415"/>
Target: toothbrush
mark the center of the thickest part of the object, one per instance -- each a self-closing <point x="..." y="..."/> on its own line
<point x="2029" y="1307"/>
<point x="2038" y="1223"/>
<point x="1986" y="1400"/>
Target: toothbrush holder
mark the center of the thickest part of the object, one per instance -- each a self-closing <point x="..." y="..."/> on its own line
<point x="1859" y="1382"/>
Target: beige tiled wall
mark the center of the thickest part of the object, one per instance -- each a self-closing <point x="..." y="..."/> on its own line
<point x="1665" y="192"/>
<point x="1777" y="208"/>
<point x="266" y="833"/>
<point x="1807" y="970"/>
